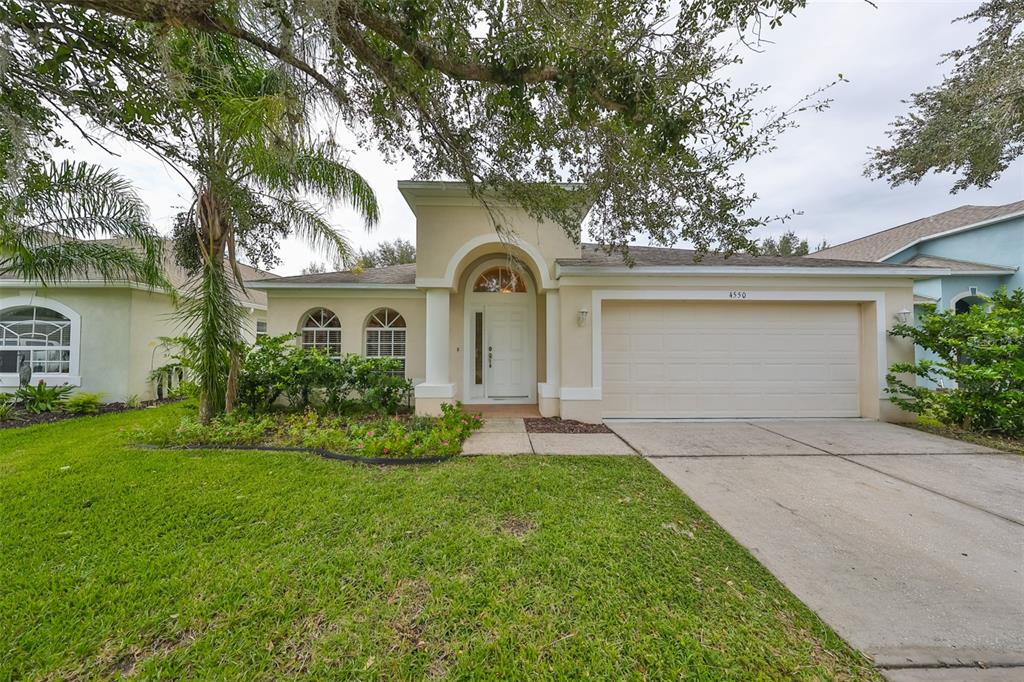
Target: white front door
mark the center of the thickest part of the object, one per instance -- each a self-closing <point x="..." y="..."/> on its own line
<point x="507" y="351"/>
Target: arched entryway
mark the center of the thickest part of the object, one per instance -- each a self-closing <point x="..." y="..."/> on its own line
<point x="500" y="336"/>
<point x="964" y="304"/>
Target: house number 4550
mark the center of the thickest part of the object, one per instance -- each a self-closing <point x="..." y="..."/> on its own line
<point x="737" y="294"/>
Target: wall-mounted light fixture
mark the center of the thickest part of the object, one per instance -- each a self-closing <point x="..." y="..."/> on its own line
<point x="581" y="317"/>
<point x="903" y="316"/>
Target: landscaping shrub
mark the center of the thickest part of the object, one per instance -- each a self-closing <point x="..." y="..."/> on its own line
<point x="407" y="436"/>
<point x="42" y="398"/>
<point x="264" y="374"/>
<point x="275" y="367"/>
<point x="84" y="403"/>
<point x="981" y="364"/>
<point x="6" y="408"/>
<point x="377" y="382"/>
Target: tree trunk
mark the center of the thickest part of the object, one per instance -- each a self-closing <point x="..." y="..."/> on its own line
<point x="231" y="391"/>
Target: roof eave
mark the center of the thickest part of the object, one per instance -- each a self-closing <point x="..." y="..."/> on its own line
<point x="787" y="270"/>
<point x="981" y="273"/>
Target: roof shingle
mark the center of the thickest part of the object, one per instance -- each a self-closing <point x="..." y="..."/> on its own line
<point x="595" y="255"/>
<point x="392" y="274"/>
<point x="955" y="265"/>
<point x="880" y="245"/>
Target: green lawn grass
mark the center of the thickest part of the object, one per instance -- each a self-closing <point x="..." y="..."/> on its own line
<point x="236" y="565"/>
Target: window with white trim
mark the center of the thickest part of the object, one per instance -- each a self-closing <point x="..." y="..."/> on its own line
<point x="261" y="328"/>
<point x="321" y="329"/>
<point x="385" y="336"/>
<point x="36" y="335"/>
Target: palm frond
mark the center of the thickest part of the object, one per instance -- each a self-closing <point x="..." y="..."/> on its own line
<point x="212" y="319"/>
<point x="309" y="224"/>
<point x="314" y="170"/>
<point x="56" y="206"/>
<point x="76" y="259"/>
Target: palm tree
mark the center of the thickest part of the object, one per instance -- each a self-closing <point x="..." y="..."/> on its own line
<point x="52" y="217"/>
<point x="257" y="175"/>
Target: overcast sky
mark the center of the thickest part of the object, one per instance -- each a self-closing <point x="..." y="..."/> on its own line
<point x="885" y="53"/>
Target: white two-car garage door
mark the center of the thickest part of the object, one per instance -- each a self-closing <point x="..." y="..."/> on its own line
<point x="730" y="359"/>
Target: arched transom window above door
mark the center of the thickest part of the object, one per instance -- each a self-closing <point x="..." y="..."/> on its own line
<point x="500" y="280"/>
<point x="321" y="329"/>
<point x="385" y="336"/>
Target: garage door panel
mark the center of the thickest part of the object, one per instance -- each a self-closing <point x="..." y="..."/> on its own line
<point x="689" y="359"/>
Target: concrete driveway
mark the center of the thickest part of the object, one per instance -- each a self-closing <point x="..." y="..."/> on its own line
<point x="909" y="545"/>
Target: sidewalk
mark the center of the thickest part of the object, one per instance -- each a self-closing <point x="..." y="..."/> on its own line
<point x="508" y="436"/>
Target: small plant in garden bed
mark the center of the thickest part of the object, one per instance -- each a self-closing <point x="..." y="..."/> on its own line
<point x="374" y="436"/>
<point x="84" y="403"/>
<point x="42" y="398"/>
<point x="6" y="408"/>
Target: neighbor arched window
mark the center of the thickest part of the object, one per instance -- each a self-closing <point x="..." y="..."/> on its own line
<point x="36" y="335"/>
<point x="322" y="330"/>
<point x="500" y="280"/>
<point x="385" y="336"/>
<point x="965" y="304"/>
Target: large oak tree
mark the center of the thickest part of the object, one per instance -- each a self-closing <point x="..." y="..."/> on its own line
<point x="972" y="124"/>
<point x="627" y="98"/>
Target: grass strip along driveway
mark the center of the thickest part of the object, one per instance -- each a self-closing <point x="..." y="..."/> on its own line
<point x="127" y="562"/>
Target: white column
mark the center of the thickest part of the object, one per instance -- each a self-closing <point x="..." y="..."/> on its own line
<point x="547" y="393"/>
<point x="438" y="382"/>
<point x="553" y="345"/>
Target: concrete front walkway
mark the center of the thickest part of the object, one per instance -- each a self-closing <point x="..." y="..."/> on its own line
<point x="508" y="436"/>
<point x="909" y="545"/>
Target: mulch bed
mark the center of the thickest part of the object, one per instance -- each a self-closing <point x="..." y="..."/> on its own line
<point x="556" y="425"/>
<point x="22" y="418"/>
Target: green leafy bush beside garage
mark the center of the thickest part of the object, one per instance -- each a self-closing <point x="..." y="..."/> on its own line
<point x="980" y="367"/>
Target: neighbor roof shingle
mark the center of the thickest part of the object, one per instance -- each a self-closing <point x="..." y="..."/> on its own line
<point x="875" y="247"/>
<point x="955" y="265"/>
<point x="392" y="274"/>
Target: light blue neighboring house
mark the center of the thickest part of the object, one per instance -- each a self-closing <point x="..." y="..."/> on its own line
<point x="982" y="247"/>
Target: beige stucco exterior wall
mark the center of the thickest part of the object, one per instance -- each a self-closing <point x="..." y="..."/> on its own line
<point x="287" y="308"/>
<point x="449" y="228"/>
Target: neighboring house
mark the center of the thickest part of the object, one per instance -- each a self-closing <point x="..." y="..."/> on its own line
<point x="539" y="319"/>
<point x="94" y="335"/>
<point x="981" y="246"/>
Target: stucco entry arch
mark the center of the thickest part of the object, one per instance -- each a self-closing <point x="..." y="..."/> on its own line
<point x="464" y="256"/>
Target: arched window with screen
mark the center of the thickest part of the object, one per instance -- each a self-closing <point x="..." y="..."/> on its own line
<point x="385" y="336"/>
<point x="36" y="335"/>
<point x="321" y="330"/>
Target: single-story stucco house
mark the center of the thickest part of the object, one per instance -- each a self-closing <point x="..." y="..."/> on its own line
<point x="97" y="336"/>
<point x="539" y="319"/>
<point x="981" y="246"/>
